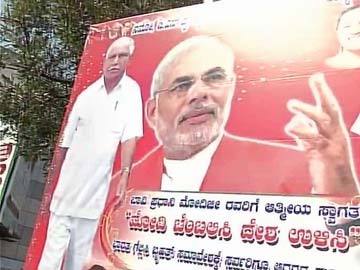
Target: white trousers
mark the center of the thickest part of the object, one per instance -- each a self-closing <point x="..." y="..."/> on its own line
<point x="70" y="235"/>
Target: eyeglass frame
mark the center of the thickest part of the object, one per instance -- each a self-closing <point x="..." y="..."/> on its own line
<point x="191" y="80"/>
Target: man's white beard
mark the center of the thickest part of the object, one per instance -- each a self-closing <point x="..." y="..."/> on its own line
<point x="185" y="141"/>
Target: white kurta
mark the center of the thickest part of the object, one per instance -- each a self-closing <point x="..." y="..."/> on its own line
<point x="96" y="125"/>
<point x="188" y="174"/>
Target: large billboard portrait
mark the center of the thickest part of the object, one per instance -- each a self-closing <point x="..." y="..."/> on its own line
<point x="221" y="136"/>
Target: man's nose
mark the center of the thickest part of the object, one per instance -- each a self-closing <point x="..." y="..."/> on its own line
<point x="198" y="91"/>
<point x="117" y="58"/>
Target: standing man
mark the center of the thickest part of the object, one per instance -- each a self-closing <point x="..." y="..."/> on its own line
<point x="108" y="113"/>
<point x="190" y="102"/>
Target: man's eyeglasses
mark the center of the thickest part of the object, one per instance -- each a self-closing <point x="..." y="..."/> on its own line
<point x="213" y="78"/>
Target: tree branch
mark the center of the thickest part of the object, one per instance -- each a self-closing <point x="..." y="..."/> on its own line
<point x="17" y="67"/>
<point x="56" y="79"/>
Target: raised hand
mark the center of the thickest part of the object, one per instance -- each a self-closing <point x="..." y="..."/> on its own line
<point x="320" y="129"/>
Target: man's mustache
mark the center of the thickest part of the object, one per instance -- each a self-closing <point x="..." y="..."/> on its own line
<point x="197" y="111"/>
<point x="114" y="68"/>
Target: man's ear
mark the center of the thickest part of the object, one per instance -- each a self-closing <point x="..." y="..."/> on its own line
<point x="150" y="108"/>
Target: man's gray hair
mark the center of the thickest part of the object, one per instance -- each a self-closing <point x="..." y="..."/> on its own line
<point x="122" y="41"/>
<point x="186" y="45"/>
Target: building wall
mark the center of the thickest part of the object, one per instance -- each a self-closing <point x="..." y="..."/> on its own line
<point x="22" y="202"/>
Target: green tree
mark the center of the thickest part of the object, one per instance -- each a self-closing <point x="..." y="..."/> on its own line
<point x="41" y="43"/>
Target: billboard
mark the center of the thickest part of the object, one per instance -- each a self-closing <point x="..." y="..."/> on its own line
<point x="243" y="104"/>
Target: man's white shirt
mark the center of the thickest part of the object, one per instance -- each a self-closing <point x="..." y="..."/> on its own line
<point x="188" y="175"/>
<point x="97" y="123"/>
